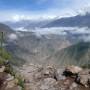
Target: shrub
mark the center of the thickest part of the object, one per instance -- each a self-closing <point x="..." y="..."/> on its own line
<point x="20" y="81"/>
<point x="86" y="66"/>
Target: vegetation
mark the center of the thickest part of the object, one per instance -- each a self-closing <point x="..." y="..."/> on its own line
<point x="20" y="81"/>
<point x="5" y="60"/>
<point x="4" y="55"/>
<point x="86" y="66"/>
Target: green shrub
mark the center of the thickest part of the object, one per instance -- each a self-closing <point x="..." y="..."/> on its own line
<point x="20" y="81"/>
<point x="86" y="66"/>
<point x="10" y="70"/>
<point x="4" y="56"/>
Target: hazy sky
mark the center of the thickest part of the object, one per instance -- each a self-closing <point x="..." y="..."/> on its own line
<point x="33" y="9"/>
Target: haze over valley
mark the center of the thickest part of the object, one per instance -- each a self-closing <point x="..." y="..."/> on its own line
<point x="41" y="41"/>
<point x="44" y="44"/>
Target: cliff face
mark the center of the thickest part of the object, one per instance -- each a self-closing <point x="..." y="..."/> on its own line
<point x="77" y="54"/>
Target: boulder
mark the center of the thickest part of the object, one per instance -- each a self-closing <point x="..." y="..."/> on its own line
<point x="59" y="74"/>
<point x="72" y="70"/>
<point x="48" y="84"/>
<point x="73" y="85"/>
<point x="49" y="72"/>
<point x="2" y="69"/>
<point x="9" y="77"/>
<point x="84" y="78"/>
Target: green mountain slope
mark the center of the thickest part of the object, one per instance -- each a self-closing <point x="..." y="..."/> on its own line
<point x="6" y="29"/>
<point x="7" y="45"/>
<point x="78" y="54"/>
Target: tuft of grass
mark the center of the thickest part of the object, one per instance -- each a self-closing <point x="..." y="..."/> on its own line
<point x="86" y="66"/>
<point x="20" y="81"/>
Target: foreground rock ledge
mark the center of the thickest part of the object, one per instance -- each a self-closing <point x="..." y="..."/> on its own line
<point x="38" y="77"/>
<point x="49" y="77"/>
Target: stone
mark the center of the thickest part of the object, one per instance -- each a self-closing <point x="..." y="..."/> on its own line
<point x="2" y="69"/>
<point x="73" y="85"/>
<point x="84" y="78"/>
<point x="10" y="84"/>
<point x="9" y="77"/>
<point x="73" y="69"/>
<point x="48" y="84"/>
<point x="49" y="71"/>
<point x="59" y="75"/>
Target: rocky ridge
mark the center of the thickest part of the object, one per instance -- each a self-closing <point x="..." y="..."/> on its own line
<point x="49" y="77"/>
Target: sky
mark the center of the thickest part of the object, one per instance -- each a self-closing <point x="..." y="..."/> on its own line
<point x="41" y="9"/>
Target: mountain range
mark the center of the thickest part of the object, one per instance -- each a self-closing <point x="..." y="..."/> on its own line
<point x="68" y="48"/>
<point x="74" y="21"/>
<point x="51" y="48"/>
<point x="78" y="54"/>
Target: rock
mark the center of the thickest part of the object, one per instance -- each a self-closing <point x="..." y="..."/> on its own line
<point x="84" y="78"/>
<point x="31" y="86"/>
<point x="59" y="75"/>
<point x="48" y="84"/>
<point x="2" y="77"/>
<point x="31" y="72"/>
<point x="2" y="69"/>
<point x="38" y="76"/>
<point x="65" y="84"/>
<point x="9" y="77"/>
<point x="73" y="85"/>
<point x="73" y="69"/>
<point x="50" y="78"/>
<point x="10" y="84"/>
<point x="85" y="72"/>
<point x="49" y="72"/>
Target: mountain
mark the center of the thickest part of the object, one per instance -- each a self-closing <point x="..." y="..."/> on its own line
<point x="5" y="28"/>
<point x="27" y="24"/>
<point x="78" y="54"/>
<point x="30" y="47"/>
<point x="36" y="49"/>
<point x="7" y="31"/>
<point x="27" y="46"/>
<point x="75" y="21"/>
<point x="9" y="42"/>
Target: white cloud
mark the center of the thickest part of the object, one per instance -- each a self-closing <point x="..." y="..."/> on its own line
<point x="13" y="37"/>
<point x="71" y="8"/>
<point x="16" y="18"/>
<point x="20" y="29"/>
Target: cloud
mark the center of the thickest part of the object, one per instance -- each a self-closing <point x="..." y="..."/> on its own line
<point x="13" y="37"/>
<point x="57" y="8"/>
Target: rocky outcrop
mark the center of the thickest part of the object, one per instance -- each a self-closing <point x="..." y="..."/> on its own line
<point x="81" y="76"/>
<point x="73" y="69"/>
<point x="51" y="78"/>
<point x="84" y="78"/>
<point x="7" y="81"/>
<point x="38" y="77"/>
